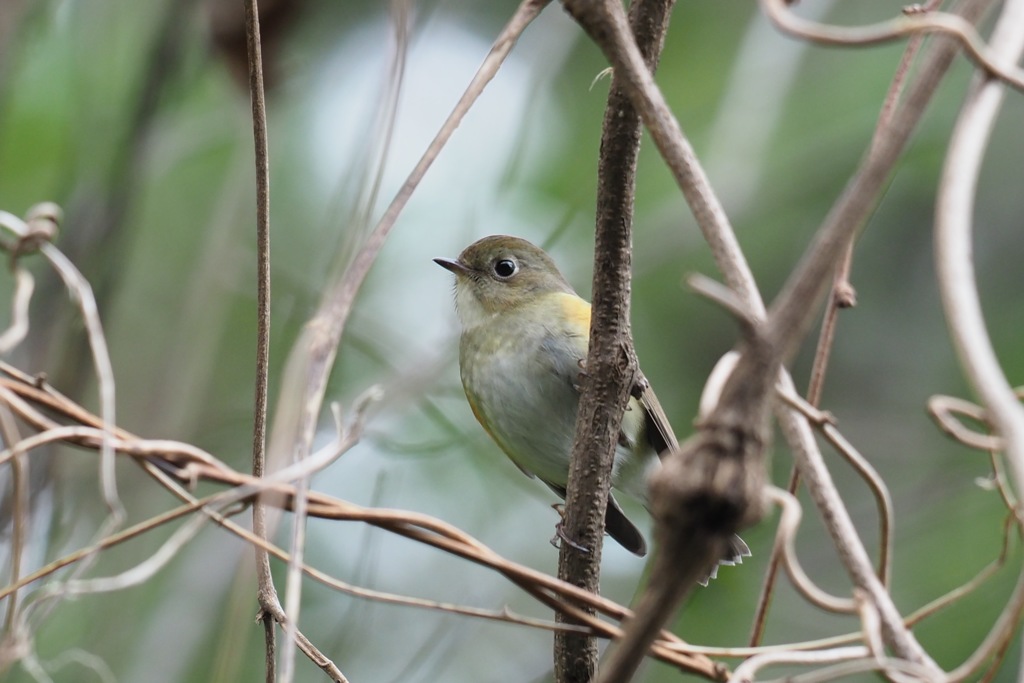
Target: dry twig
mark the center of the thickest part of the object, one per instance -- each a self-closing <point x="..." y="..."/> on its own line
<point x="188" y="465"/>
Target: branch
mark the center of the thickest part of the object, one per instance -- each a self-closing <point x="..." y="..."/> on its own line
<point x="266" y="594"/>
<point x="794" y="308"/>
<point x="312" y="358"/>
<point x="808" y="283"/>
<point x="844" y="296"/>
<point x="28" y="399"/>
<point x="957" y="285"/>
<point x="990" y="59"/>
<point x="686" y="549"/>
<point x="953" y="225"/>
<point x="611" y="370"/>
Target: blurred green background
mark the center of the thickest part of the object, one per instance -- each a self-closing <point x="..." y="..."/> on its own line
<point x="135" y="118"/>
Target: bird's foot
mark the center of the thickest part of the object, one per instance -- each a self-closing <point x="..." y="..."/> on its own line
<point x="562" y="537"/>
<point x="578" y="385"/>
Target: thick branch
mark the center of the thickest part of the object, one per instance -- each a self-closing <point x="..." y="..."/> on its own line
<point x="611" y="370"/>
<point x="797" y="304"/>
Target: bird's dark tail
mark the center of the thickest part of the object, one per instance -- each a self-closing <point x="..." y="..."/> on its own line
<point x="622" y="530"/>
<point x="734" y="554"/>
<point x="629" y="537"/>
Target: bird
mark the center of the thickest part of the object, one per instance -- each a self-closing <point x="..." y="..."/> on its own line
<point x="523" y="346"/>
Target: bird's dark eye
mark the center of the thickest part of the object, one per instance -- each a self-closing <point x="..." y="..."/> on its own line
<point x="505" y="268"/>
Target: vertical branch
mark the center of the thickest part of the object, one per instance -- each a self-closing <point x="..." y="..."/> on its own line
<point x="266" y="594"/>
<point x="791" y="313"/>
<point x="611" y="365"/>
<point x="807" y="283"/>
<point x="311" y="359"/>
<point x="844" y="296"/>
<point x="953" y="215"/>
<point x="19" y="512"/>
<point x="954" y="256"/>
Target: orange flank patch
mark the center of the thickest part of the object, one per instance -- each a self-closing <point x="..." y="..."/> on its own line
<point x="576" y="312"/>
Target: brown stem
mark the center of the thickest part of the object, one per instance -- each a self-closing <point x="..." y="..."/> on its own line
<point x="266" y="593"/>
<point x="611" y="363"/>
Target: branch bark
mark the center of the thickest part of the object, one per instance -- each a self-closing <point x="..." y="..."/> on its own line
<point x="611" y="364"/>
<point x="266" y="594"/>
<point x="787" y="324"/>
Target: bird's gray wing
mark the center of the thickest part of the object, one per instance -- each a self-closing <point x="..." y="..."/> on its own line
<point x="658" y="430"/>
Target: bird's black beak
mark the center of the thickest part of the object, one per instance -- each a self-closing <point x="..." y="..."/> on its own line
<point x="452" y="265"/>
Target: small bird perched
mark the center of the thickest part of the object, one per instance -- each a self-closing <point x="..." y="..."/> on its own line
<point x="525" y="335"/>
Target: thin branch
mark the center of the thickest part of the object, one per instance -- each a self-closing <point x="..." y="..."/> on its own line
<point x="190" y="465"/>
<point x="19" y="512"/>
<point x="899" y="79"/>
<point x="843" y="296"/>
<point x="747" y="671"/>
<point x="109" y="541"/>
<point x="1010" y="523"/>
<point x="989" y="58"/>
<point x="266" y="593"/>
<point x="312" y="357"/>
<point x="946" y="411"/>
<point x="81" y="293"/>
<point x="789" y="522"/>
<point x="824" y="422"/>
<point x="953" y="245"/>
<point x="24" y="286"/>
<point x="40" y="227"/>
<point x="912" y="671"/>
<point x="845" y="219"/>
<point x="957" y="285"/>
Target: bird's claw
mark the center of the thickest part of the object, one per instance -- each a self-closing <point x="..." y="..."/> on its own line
<point x="578" y="384"/>
<point x="561" y="537"/>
